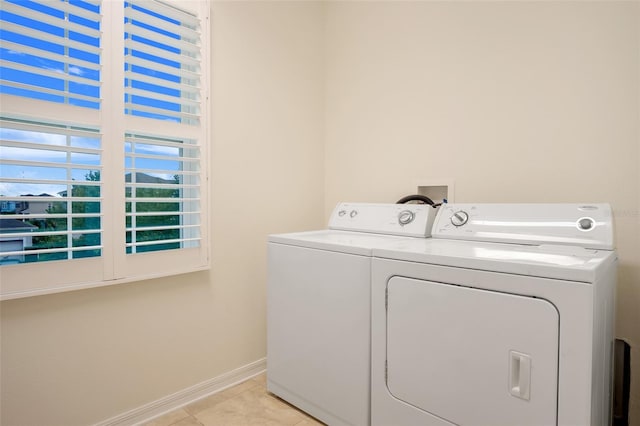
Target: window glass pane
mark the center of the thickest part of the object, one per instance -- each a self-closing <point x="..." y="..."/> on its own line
<point x="162" y="187"/>
<point x="50" y="208"/>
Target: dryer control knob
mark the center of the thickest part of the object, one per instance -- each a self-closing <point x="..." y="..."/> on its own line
<point x="405" y="217"/>
<point x="459" y="218"/>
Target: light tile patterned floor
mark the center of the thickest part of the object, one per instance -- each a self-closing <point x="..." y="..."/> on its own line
<point x="245" y="404"/>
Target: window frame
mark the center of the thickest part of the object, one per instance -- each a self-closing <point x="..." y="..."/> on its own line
<point x="114" y="266"/>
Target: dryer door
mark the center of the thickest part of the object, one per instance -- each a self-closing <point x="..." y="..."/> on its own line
<point x="472" y="357"/>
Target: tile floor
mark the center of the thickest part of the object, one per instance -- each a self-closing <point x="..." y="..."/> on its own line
<point x="245" y="404"/>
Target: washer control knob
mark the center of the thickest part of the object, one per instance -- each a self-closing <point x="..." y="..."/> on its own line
<point x="342" y="213"/>
<point x="585" y="224"/>
<point x="459" y="218"/>
<point x="405" y="217"/>
<point x="353" y="213"/>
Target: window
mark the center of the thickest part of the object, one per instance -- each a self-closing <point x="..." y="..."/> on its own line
<point x="103" y="171"/>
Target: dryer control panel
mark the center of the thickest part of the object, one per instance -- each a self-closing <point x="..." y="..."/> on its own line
<point x="412" y="220"/>
<point x="581" y="225"/>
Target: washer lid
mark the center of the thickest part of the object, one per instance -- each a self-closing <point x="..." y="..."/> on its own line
<point x="547" y="261"/>
<point x="339" y="241"/>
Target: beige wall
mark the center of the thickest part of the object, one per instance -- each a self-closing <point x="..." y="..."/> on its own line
<point x="81" y="357"/>
<point x="514" y="101"/>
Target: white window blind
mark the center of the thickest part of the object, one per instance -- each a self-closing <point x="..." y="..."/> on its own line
<point x="162" y="48"/>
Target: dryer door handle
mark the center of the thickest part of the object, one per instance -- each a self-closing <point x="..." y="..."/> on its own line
<point x="519" y="375"/>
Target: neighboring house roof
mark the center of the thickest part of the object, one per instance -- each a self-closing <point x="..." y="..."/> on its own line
<point x="15" y="225"/>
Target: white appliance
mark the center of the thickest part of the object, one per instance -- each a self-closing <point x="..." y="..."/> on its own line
<point x="318" y="307"/>
<point x="504" y="317"/>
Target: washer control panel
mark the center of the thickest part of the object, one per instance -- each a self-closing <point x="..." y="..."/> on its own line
<point x="583" y="225"/>
<point x="415" y="220"/>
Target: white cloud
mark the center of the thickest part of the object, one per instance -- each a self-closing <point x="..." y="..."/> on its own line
<point x="37" y="137"/>
<point x="33" y="154"/>
<point x="71" y="70"/>
<point x="86" y="142"/>
<point x="75" y="70"/>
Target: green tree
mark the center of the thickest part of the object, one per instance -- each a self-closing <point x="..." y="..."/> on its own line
<point x="169" y="219"/>
<point x="77" y="223"/>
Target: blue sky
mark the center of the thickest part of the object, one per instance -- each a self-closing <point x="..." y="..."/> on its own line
<point x="43" y="155"/>
<point x="46" y="44"/>
<point x="49" y="82"/>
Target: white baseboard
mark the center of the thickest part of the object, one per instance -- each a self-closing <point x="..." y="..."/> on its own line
<point x="186" y="396"/>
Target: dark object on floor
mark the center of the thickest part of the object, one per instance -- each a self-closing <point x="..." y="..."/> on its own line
<point x="621" y="382"/>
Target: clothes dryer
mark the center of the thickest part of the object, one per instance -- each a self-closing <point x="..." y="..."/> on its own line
<point x="505" y="317"/>
<point x="318" y="307"/>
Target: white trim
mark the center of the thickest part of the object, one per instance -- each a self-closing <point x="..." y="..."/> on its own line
<point x="14" y="274"/>
<point x="113" y="159"/>
<point x="186" y="396"/>
<point x="50" y="112"/>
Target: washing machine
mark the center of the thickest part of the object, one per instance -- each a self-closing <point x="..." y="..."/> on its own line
<point x="504" y="317"/>
<point x="319" y="307"/>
